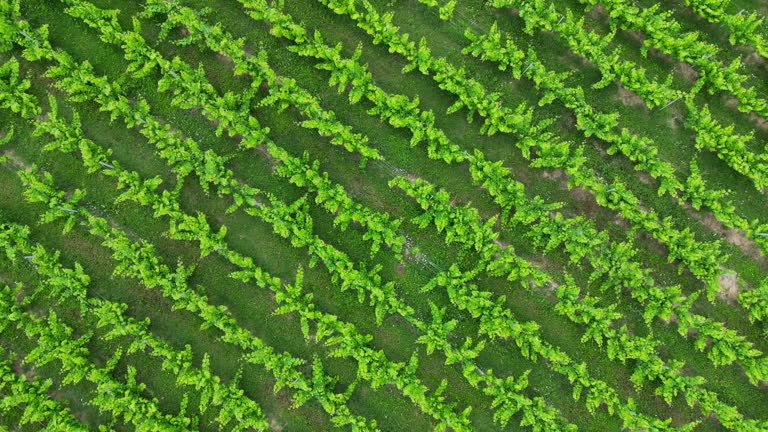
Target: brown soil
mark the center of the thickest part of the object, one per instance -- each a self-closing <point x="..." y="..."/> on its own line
<point x="596" y="13"/>
<point x="275" y="426"/>
<point x="673" y="123"/>
<point x="224" y="59"/>
<point x="584" y="197"/>
<point x="729" y="287"/>
<point x="731" y="235"/>
<point x="731" y="101"/>
<point x="501" y="243"/>
<point x="601" y="150"/>
<point x="753" y="59"/>
<point x="570" y="120"/>
<point x="263" y="150"/>
<point x="16" y="160"/>
<point x="759" y="121"/>
<point x="585" y="201"/>
<point x="688" y="72"/>
<point x="654" y="245"/>
<point x="18" y="369"/>
<point x="644" y="177"/>
<point x="554" y="174"/>
<point x="550" y="288"/>
<point x="639" y="37"/>
<point x="558" y="174"/>
<point x="629" y="98"/>
<point x="619" y="221"/>
<point x="399" y="269"/>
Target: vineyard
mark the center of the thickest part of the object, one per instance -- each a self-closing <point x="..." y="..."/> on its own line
<point x="383" y="215"/>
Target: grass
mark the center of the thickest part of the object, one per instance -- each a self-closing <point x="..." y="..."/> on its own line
<point x="253" y="308"/>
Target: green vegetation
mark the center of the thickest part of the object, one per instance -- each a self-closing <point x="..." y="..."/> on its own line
<point x="453" y="215"/>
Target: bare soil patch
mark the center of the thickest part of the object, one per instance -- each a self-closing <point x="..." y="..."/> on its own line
<point x="16" y="160"/>
<point x="620" y="221"/>
<point x="754" y="59"/>
<point x="596" y="13"/>
<point x="224" y="59"/>
<point x="603" y="152"/>
<point x="639" y="37"/>
<point x="275" y="426"/>
<point x="733" y="236"/>
<point x="757" y="120"/>
<point x="729" y="287"/>
<point x="584" y="199"/>
<point x="399" y="269"/>
<point x="629" y="98"/>
<point x="731" y="101"/>
<point x="688" y="72"/>
<point x="583" y="196"/>
<point x="654" y="245"/>
<point x="263" y="150"/>
<point x="644" y="177"/>
<point x="18" y="369"/>
<point x="554" y="174"/>
<point x="673" y="123"/>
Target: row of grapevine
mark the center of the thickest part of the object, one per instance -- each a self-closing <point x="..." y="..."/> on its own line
<point x="331" y="196"/>
<point x="389" y="27"/>
<point x="14" y="90"/>
<point x="612" y="66"/>
<point x="588" y="44"/>
<point x="745" y="28"/>
<point x="336" y="261"/>
<point x="186" y="81"/>
<point x="617" y="266"/>
<point x="710" y="133"/>
<point x="727" y="346"/>
<point x="414" y="389"/>
<point x="665" y="34"/>
<point x="731" y="148"/>
<point x="510" y="195"/>
<point x="536" y="411"/>
<point x="464" y="225"/>
<point x="184" y="154"/>
<point x="638" y="149"/>
<point x="68" y="137"/>
<point x="498" y="322"/>
<point x="704" y="260"/>
<point x="283" y="91"/>
<point x="408" y="317"/>
<point x="137" y="259"/>
<point x="237" y="411"/>
<point x="55" y="343"/>
<point x="31" y="396"/>
<point x="186" y="87"/>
